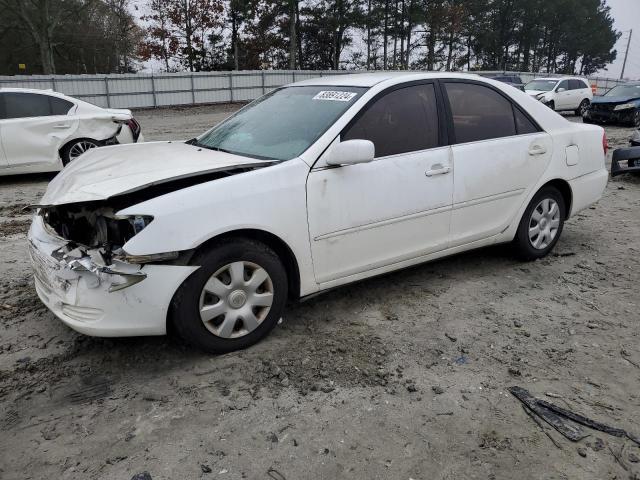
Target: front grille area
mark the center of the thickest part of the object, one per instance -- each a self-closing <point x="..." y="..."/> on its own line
<point x="602" y="107"/>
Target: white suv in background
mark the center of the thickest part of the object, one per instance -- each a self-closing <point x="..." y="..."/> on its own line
<point x="42" y="130"/>
<point x="562" y="94"/>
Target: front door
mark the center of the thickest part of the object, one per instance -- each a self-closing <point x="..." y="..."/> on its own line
<point x="564" y="99"/>
<point x="398" y="207"/>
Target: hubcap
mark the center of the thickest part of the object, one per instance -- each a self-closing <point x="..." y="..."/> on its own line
<point x="544" y="223"/>
<point x="79" y="148"/>
<point x="236" y="299"/>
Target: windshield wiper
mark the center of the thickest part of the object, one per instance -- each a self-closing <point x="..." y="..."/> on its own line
<point x="196" y="143"/>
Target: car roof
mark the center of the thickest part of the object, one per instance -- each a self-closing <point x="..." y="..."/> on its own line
<point x="40" y="91"/>
<point x="371" y="79"/>
<point x="557" y="79"/>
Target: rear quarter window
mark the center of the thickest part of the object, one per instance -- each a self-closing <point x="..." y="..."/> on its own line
<point x="60" y="106"/>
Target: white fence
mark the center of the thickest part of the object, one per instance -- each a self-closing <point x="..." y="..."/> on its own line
<point x="156" y="90"/>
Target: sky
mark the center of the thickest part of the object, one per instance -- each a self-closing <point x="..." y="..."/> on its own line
<point x="626" y="15"/>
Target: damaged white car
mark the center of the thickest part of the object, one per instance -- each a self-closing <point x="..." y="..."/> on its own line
<point x="41" y="130"/>
<point x="315" y="185"/>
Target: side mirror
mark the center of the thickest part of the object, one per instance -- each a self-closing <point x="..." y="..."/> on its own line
<point x="351" y="152"/>
<point x="561" y="90"/>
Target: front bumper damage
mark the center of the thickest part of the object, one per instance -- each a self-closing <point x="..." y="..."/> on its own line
<point x="604" y="113"/>
<point x="118" y="299"/>
<point x="625" y="160"/>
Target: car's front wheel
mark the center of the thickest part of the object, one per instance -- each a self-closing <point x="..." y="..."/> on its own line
<point x="74" y="149"/>
<point x="541" y="224"/>
<point x="583" y="107"/>
<point x="234" y="299"/>
<point x="635" y="118"/>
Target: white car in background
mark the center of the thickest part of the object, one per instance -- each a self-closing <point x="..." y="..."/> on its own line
<point x="315" y="185"/>
<point x="562" y="93"/>
<point x="42" y="130"/>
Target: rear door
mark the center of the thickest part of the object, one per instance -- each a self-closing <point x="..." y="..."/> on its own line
<point x="499" y="153"/>
<point x="582" y="90"/>
<point x="35" y="128"/>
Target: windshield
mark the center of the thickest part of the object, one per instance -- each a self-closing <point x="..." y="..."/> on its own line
<point x="542" y="85"/>
<point x="282" y="124"/>
<point x="624" y="91"/>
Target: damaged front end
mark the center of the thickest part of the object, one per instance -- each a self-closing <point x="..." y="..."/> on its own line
<point x="93" y="236"/>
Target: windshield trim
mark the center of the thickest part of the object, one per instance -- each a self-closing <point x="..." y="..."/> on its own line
<point x="362" y="90"/>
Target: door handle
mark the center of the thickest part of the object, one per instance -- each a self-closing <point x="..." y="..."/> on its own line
<point x="437" y="169"/>
<point x="62" y="126"/>
<point x="537" y="149"/>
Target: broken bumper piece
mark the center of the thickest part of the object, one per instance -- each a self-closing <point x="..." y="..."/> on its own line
<point x="625" y="160"/>
<point x="120" y="299"/>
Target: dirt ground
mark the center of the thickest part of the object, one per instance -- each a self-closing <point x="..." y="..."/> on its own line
<point x="400" y="377"/>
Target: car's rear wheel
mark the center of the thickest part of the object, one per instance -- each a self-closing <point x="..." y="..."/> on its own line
<point x="541" y="224"/>
<point x="583" y="107"/>
<point x="234" y="299"/>
<point x="74" y="149"/>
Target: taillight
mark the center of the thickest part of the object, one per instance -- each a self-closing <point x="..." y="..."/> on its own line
<point x="605" y="144"/>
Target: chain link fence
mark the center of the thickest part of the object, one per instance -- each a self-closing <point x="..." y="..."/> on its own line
<point x="156" y="90"/>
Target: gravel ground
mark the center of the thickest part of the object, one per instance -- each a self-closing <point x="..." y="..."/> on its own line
<point x="400" y="377"/>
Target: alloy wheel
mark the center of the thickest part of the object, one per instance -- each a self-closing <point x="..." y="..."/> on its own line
<point x="79" y="148"/>
<point x="544" y="223"/>
<point x="236" y="299"/>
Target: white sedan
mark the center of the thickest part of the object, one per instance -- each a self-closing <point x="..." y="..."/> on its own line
<point x="41" y="130"/>
<point x="317" y="184"/>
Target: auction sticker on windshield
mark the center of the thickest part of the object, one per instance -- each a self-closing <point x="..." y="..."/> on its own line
<point x="334" y="95"/>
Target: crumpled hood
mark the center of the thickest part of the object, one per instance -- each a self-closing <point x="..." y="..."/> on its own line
<point x="613" y="99"/>
<point x="104" y="172"/>
<point x="533" y="93"/>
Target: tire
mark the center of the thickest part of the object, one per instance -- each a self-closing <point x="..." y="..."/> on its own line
<point x="525" y="245"/>
<point x="552" y="105"/>
<point x="635" y="120"/>
<point x="584" y="105"/>
<point x="192" y="304"/>
<point x="75" y="148"/>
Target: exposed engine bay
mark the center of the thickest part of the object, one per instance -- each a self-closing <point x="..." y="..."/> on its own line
<point x="96" y="234"/>
<point x="95" y="224"/>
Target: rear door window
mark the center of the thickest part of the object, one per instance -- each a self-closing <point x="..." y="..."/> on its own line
<point x="404" y="120"/>
<point x="23" y="105"/>
<point x="26" y="105"/>
<point x="479" y="113"/>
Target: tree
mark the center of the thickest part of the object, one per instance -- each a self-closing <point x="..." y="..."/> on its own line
<point x="82" y="36"/>
<point x="42" y="19"/>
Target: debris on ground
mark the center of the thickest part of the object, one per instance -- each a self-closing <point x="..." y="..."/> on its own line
<point x="558" y="418"/>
